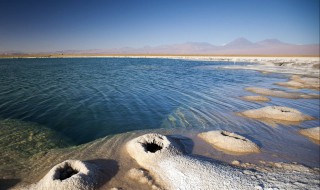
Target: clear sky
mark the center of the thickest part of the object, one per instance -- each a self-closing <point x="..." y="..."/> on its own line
<point x="49" y="25"/>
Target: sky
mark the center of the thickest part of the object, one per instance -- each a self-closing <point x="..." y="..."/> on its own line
<point x="51" y="25"/>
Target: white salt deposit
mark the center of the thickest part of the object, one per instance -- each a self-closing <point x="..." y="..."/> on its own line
<point x="229" y="142"/>
<point x="185" y="172"/>
<point x="276" y="113"/>
<point x="69" y="175"/>
<point x="281" y="93"/>
<point x="312" y="133"/>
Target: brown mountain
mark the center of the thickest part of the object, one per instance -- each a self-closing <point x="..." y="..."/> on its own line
<point x="240" y="46"/>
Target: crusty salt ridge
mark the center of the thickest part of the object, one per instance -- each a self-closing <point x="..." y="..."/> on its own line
<point x="178" y="171"/>
<point x="143" y="177"/>
<point x="229" y="142"/>
<point x="302" y="82"/>
<point x="185" y="172"/>
<point x="312" y="133"/>
<point x="256" y="98"/>
<point x="282" y="94"/>
<point x="290" y="65"/>
<point x="276" y="113"/>
<point x="150" y="147"/>
<point x="69" y="175"/>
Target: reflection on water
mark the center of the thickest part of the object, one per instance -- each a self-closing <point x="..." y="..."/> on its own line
<point x="85" y="99"/>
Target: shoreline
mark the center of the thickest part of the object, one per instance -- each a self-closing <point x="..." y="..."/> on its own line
<point x="110" y="155"/>
<point x="308" y="65"/>
<point x="110" y="148"/>
<point x="156" y="56"/>
<point x="287" y="64"/>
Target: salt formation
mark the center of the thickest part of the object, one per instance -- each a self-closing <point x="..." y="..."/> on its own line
<point x="163" y="159"/>
<point x="175" y="170"/>
<point x="150" y="147"/>
<point x="282" y="94"/>
<point x="302" y="82"/>
<point x="256" y="98"/>
<point x="312" y="133"/>
<point x="229" y="142"/>
<point x="293" y="65"/>
<point x="69" y="175"/>
<point x="276" y="113"/>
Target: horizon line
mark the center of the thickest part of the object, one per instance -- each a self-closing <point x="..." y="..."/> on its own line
<point x="93" y="55"/>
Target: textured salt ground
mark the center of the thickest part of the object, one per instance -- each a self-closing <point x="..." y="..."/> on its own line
<point x="199" y="175"/>
<point x="110" y="156"/>
<point x="179" y="171"/>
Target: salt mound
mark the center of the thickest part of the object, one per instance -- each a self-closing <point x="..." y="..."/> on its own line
<point x="302" y="82"/>
<point x="256" y="98"/>
<point x="232" y="142"/>
<point x="162" y="158"/>
<point x="312" y="133"/>
<point x="69" y="175"/>
<point x="276" y="113"/>
<point x="150" y="147"/>
<point x="282" y="94"/>
<point x="179" y="171"/>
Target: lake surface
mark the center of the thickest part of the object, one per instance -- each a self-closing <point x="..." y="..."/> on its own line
<point x="83" y="99"/>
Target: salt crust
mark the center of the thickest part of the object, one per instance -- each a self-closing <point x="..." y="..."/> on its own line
<point x="231" y="142"/>
<point x="281" y="93"/>
<point x="69" y="175"/>
<point x="181" y="171"/>
<point x="312" y="133"/>
<point x="276" y="113"/>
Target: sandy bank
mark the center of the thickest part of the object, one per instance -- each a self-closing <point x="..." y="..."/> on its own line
<point x="301" y="82"/>
<point x="230" y="142"/>
<point x="255" y="98"/>
<point x="282" y="94"/>
<point x="312" y="133"/>
<point x="276" y="113"/>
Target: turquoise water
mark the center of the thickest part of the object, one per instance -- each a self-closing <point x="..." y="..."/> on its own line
<point x="83" y="99"/>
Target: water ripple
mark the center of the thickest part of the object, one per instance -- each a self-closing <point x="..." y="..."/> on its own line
<point x="87" y="99"/>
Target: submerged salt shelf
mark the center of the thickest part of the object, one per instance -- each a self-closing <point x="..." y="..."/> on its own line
<point x="77" y="101"/>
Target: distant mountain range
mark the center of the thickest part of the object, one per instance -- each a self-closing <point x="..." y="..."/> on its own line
<point x="240" y="46"/>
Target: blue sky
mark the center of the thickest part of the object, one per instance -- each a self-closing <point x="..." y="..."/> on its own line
<point x="49" y="25"/>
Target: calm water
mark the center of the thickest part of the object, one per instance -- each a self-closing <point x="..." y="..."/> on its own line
<point x="87" y="98"/>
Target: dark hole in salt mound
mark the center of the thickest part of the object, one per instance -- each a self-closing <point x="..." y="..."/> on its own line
<point x="151" y="147"/>
<point x="224" y="134"/>
<point x="227" y="135"/>
<point x="65" y="172"/>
